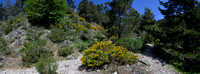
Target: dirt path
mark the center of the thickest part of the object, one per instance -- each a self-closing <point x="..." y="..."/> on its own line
<point x="155" y="64"/>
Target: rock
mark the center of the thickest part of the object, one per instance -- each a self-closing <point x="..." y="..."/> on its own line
<point x="1" y="64"/>
<point x="66" y="65"/>
<point x="98" y="70"/>
<point x="115" y="73"/>
<point x="66" y="43"/>
<point x="70" y="57"/>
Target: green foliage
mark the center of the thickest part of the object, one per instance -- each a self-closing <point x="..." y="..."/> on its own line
<point x="46" y="66"/>
<point x="99" y="35"/>
<point x="81" y="45"/>
<point x="131" y="44"/>
<point x="33" y="51"/>
<point x="45" y="12"/>
<point x="32" y="35"/>
<point x="180" y="37"/>
<point x="3" y="44"/>
<point x="57" y="35"/>
<point x="105" y="52"/>
<point x="118" y="13"/>
<point x="92" y="12"/>
<point x="147" y="20"/>
<point x="71" y="3"/>
<point x="8" y="29"/>
<point x="65" y="50"/>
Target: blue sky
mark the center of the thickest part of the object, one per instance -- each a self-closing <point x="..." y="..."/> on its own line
<point x="139" y="5"/>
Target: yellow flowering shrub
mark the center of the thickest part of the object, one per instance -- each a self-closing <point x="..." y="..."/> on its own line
<point x="56" y="25"/>
<point x="96" y="28"/>
<point x="112" y="37"/>
<point x="106" y="52"/>
<point x="60" y="26"/>
<point x="81" y="19"/>
<point x="93" y="27"/>
<point x="80" y="27"/>
<point x="74" y="25"/>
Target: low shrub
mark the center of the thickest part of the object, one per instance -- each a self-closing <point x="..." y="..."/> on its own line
<point x="65" y="50"/>
<point x="105" y="52"/>
<point x="3" y="44"/>
<point x="32" y="35"/>
<point x="132" y="44"/>
<point x="99" y="35"/>
<point x="8" y="29"/>
<point x="81" y="45"/>
<point x="34" y="50"/>
<point x="46" y="66"/>
<point x="57" y="35"/>
<point x="81" y="19"/>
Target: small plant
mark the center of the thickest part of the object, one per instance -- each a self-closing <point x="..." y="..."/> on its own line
<point x="105" y="52"/>
<point x="81" y="19"/>
<point x="57" y="35"/>
<point x="98" y="27"/>
<point x="65" y="50"/>
<point x="88" y="25"/>
<point x="3" y="44"/>
<point x="112" y="37"/>
<point x="34" y="50"/>
<point x="131" y="44"/>
<point x="79" y="28"/>
<point x="8" y="29"/>
<point x="46" y="66"/>
<point x="32" y="35"/>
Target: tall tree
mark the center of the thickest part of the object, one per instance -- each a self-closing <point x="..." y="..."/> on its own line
<point x="45" y="12"/>
<point x="117" y="11"/>
<point x="181" y="31"/>
<point x="2" y="11"/>
<point x="7" y="8"/>
<point x="83" y="9"/>
<point x="71" y="3"/>
<point x="147" y="20"/>
<point x="131" y="21"/>
<point x="148" y="25"/>
<point x="91" y="12"/>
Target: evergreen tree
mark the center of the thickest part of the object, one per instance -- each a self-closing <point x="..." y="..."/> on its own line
<point x="71" y="4"/>
<point x="147" y="20"/>
<point x="181" y="32"/>
<point x="45" y="12"/>
<point x="2" y="12"/>
<point x="7" y="9"/>
<point x="117" y="11"/>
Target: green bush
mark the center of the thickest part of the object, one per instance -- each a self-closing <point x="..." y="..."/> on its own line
<point x="34" y="50"/>
<point x="46" y="66"/>
<point x="3" y="44"/>
<point x="65" y="50"/>
<point x="8" y="29"/>
<point x="45" y="12"/>
<point x="57" y="35"/>
<point x="32" y="35"/>
<point x="131" y="44"/>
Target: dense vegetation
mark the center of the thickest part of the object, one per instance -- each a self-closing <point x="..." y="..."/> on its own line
<point x="91" y="27"/>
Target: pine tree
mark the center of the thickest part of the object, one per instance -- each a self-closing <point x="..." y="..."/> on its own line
<point x="2" y="12"/>
<point x="45" y="12"/>
<point x="71" y="4"/>
<point x="147" y="20"/>
<point x="117" y="12"/>
<point x="181" y="34"/>
<point x="7" y="9"/>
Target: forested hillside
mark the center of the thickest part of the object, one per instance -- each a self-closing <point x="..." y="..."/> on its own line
<point x="59" y="36"/>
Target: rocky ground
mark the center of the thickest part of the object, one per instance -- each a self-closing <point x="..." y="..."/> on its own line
<point x="154" y="65"/>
